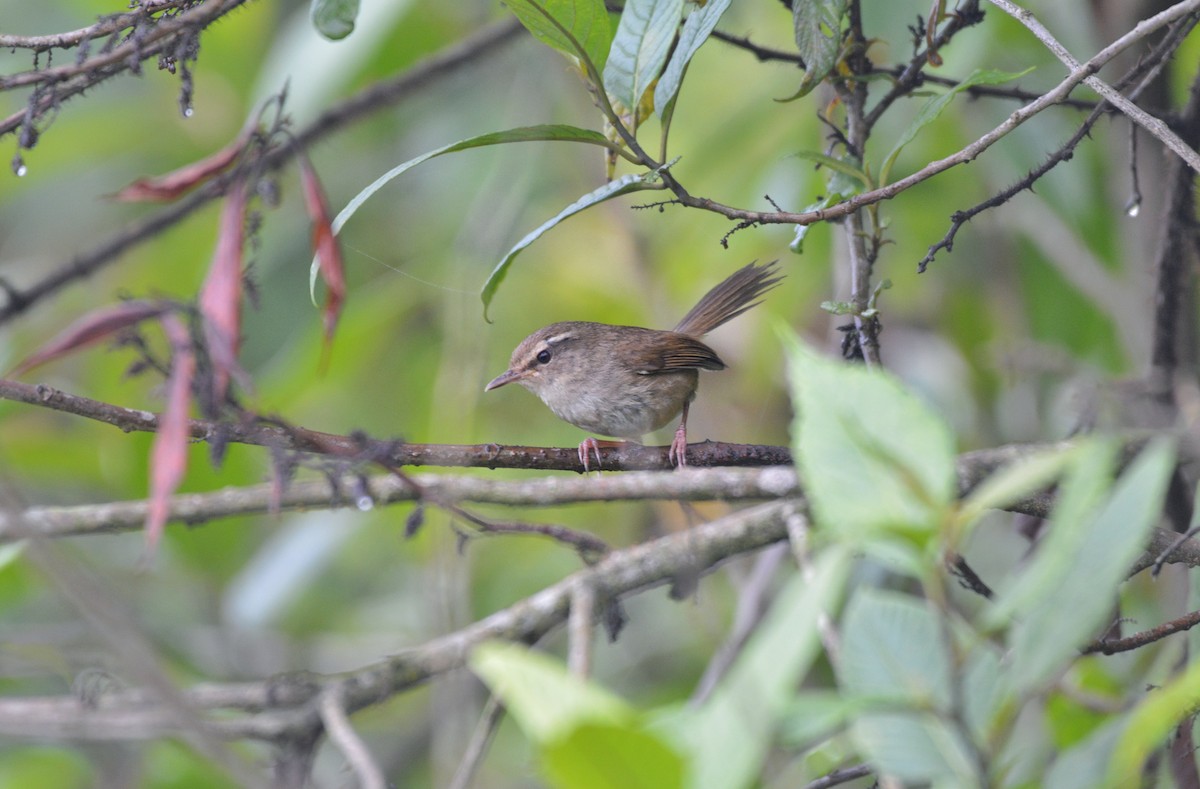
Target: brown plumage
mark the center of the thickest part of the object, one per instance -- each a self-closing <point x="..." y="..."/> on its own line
<point x="626" y="381"/>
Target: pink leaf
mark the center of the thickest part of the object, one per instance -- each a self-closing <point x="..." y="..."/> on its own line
<point x="329" y="254"/>
<point x="168" y="455"/>
<point x="90" y="329"/>
<point x="171" y="186"/>
<point x="221" y="296"/>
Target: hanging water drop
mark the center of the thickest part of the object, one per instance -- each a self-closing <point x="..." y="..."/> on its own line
<point x="187" y="112"/>
<point x="364" y="503"/>
<point x="18" y="166"/>
<point x="1133" y="209"/>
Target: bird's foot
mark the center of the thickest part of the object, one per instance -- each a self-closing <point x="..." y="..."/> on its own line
<point x="677" y="454"/>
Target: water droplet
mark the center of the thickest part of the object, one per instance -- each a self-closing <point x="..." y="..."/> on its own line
<point x="187" y="112"/>
<point x="18" y="166"/>
<point x="1133" y="209"/>
<point x="21" y="170"/>
<point x="364" y="503"/>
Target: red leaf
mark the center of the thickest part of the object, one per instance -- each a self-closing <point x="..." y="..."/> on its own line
<point x="90" y="329"/>
<point x="221" y="296"/>
<point x="329" y="254"/>
<point x="168" y="455"/>
<point x="164" y="188"/>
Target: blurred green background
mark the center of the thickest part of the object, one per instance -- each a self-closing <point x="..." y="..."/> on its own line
<point x="1040" y="300"/>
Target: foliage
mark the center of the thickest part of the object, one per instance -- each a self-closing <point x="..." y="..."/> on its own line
<point x="909" y="630"/>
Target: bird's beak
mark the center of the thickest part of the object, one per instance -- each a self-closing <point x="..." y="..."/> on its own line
<point x="506" y="377"/>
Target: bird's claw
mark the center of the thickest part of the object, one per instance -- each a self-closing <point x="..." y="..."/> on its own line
<point x="677" y="454"/>
<point x="586" y="446"/>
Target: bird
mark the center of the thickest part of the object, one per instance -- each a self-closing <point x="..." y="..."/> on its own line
<point x="626" y="381"/>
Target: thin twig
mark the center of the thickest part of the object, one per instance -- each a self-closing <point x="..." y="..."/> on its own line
<point x="342" y="735"/>
<point x="481" y="739"/>
<point x="1153" y="125"/>
<point x="579" y="629"/>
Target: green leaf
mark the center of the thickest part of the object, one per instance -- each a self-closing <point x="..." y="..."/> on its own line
<point x="848" y="166"/>
<point x="552" y="132"/>
<point x="871" y="455"/>
<point x="608" y="756"/>
<point x="1016" y="481"/>
<point x="846" y="178"/>
<point x="577" y="28"/>
<point x="934" y="107"/>
<point x="818" y="28"/>
<point x="1084" y="765"/>
<point x="730" y="735"/>
<point x="918" y="748"/>
<point x="698" y="26"/>
<point x="1055" y="601"/>
<point x="334" y="19"/>
<point x="1150" y="724"/>
<point x="893" y="651"/>
<point x="815" y="714"/>
<point x="547" y="702"/>
<point x="639" y="48"/>
<point x="628" y="183"/>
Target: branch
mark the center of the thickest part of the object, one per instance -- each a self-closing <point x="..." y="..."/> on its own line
<point x="286" y="708"/>
<point x="1057" y="95"/>
<point x="372" y="99"/>
<point x="1137" y="640"/>
<point x="106" y="26"/>
<point x="279" y="435"/>
<point x="1154" y="125"/>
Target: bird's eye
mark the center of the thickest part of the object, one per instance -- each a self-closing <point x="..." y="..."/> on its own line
<point x="543" y="356"/>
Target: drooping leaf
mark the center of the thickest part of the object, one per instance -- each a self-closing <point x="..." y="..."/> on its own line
<point x="173" y="185"/>
<point x="168" y="454"/>
<point x="544" y="133"/>
<point x="328" y="252"/>
<point x="221" y="295"/>
<point x="623" y="185"/>
<point x="90" y="329"/>
<point x="698" y="26"/>
<point x="573" y="27"/>
<point x="334" y="19"/>
<point x="818" y="29"/>
<point x="639" y="49"/>
<point x="934" y="107"/>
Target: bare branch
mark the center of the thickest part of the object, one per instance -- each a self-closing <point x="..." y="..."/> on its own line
<point x="1139" y="116"/>
<point x="284" y="708"/>
<point x="342" y="735"/>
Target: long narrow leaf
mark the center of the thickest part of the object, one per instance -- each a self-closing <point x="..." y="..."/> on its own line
<point x="168" y="455"/>
<point x="640" y="48"/>
<point x="221" y="295"/>
<point x="934" y="107"/>
<point x="697" y="28"/>
<point x="90" y="329"/>
<point x="628" y="183"/>
<point x="552" y="132"/>
<point x="328" y="253"/>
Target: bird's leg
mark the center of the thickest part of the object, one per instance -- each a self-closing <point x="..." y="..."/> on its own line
<point x="677" y="454"/>
<point x="589" y="444"/>
<point x="592" y="446"/>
